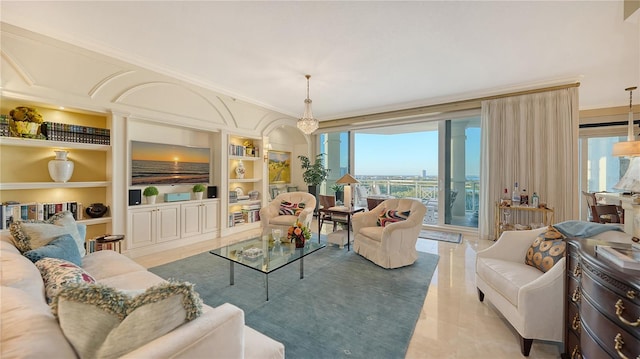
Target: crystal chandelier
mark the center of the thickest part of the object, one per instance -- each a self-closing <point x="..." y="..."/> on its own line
<point x="307" y="123"/>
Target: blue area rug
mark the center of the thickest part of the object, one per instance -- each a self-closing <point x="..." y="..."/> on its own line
<point x="345" y="306"/>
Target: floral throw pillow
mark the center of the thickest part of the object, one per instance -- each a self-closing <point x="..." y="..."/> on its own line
<point x="392" y="216"/>
<point x="290" y="209"/>
<point x="546" y="250"/>
<point x="58" y="273"/>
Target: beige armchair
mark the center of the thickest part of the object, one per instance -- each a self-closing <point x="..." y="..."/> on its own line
<point x="393" y="245"/>
<point x="271" y="218"/>
<point x="529" y="299"/>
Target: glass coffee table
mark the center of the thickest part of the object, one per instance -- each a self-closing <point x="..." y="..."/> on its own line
<point x="265" y="255"/>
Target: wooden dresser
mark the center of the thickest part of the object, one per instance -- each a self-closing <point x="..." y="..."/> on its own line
<point x="602" y="305"/>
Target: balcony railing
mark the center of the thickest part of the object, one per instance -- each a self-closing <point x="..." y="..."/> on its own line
<point x="424" y="190"/>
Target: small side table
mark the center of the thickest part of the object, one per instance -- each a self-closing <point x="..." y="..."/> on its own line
<point x="109" y="241"/>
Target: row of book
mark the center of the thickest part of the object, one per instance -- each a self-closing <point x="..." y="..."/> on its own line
<point x="54" y="131"/>
<point x="236" y="218"/>
<point x="10" y="213"/>
<point x="237" y="150"/>
<point x="251" y="215"/>
<point x="75" y="133"/>
<point x="92" y="245"/>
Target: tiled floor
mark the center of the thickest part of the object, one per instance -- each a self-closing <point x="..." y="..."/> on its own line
<point x="453" y="323"/>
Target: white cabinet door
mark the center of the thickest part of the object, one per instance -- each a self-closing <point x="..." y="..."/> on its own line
<point x="168" y="218"/>
<point x="142" y="227"/>
<point x="190" y="219"/>
<point x="210" y="211"/>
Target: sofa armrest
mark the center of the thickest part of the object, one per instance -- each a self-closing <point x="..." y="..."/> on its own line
<point x="512" y="245"/>
<point x="217" y="333"/>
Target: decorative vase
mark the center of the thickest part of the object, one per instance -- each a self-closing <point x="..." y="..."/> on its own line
<point x="198" y="195"/>
<point x="150" y="199"/>
<point x="240" y="170"/>
<point x="60" y="168"/>
<point x="96" y="210"/>
<point x="299" y="242"/>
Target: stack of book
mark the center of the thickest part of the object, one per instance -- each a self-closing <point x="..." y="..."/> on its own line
<point x="233" y="196"/>
<point x="251" y="213"/>
<point x="625" y="257"/>
<point x="10" y="213"/>
<point x="235" y="218"/>
<point x="4" y="126"/>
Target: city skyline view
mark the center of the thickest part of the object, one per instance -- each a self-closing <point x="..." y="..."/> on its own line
<point x="409" y="154"/>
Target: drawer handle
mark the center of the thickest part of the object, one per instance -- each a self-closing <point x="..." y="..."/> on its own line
<point x="575" y="323"/>
<point x="618" y="344"/>
<point x="575" y="353"/>
<point x="631" y="294"/>
<point x="619" y="309"/>
<point x="577" y="270"/>
<point x="576" y="295"/>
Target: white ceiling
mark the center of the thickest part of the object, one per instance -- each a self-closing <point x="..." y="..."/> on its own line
<point x="363" y="56"/>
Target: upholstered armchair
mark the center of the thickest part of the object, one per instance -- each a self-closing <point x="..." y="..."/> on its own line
<point x="279" y="215"/>
<point x="393" y="243"/>
<point x="529" y="299"/>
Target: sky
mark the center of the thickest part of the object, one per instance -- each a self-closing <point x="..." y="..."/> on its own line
<point x="408" y="154"/>
<point x="162" y="152"/>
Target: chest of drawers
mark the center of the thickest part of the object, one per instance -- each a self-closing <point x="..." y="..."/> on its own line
<point x="602" y="305"/>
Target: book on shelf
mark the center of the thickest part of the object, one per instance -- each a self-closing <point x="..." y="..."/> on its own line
<point x="10" y="213"/>
<point x="624" y="257"/>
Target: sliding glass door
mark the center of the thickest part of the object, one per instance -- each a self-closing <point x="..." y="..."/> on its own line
<point x="436" y="162"/>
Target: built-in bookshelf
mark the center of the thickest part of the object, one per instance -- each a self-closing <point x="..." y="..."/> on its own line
<point x="244" y="181"/>
<point x="25" y="179"/>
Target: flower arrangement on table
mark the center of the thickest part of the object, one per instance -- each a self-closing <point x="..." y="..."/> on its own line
<point x="298" y="233"/>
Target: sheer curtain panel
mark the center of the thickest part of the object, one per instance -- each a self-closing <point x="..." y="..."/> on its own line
<point x="533" y="140"/>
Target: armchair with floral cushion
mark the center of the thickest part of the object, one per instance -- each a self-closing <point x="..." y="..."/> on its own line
<point x="286" y="209"/>
<point x="387" y="234"/>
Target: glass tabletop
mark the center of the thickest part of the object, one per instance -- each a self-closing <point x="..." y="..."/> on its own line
<point x="264" y="254"/>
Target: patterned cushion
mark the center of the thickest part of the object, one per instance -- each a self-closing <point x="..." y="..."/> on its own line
<point x="546" y="250"/>
<point x="63" y="247"/>
<point x="102" y="322"/>
<point x="392" y="216"/>
<point x="58" y="273"/>
<point x="291" y="209"/>
<point x="32" y="234"/>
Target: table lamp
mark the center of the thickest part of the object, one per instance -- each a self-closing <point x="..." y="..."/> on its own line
<point x="347" y="180"/>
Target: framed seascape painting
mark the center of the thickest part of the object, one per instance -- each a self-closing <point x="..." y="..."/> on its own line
<point x="279" y="167"/>
<point x="160" y="163"/>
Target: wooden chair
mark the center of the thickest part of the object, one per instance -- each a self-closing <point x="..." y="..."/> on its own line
<point x="591" y="202"/>
<point x="606" y="213"/>
<point x="328" y="202"/>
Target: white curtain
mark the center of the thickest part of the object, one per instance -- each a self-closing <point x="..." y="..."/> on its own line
<point x="533" y="140"/>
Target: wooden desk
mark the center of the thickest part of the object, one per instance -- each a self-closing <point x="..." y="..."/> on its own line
<point x="340" y="211"/>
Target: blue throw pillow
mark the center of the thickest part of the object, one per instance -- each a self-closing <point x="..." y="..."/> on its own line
<point x="63" y="247"/>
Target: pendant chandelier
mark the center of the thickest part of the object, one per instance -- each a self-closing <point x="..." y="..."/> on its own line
<point x="307" y="123"/>
<point x="630" y="147"/>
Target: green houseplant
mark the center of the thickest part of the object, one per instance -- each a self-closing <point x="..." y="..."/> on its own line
<point x="314" y="173"/>
<point x="150" y="194"/>
<point x="198" y="190"/>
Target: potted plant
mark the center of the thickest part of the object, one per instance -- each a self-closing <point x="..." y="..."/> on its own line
<point x="314" y="173"/>
<point x="339" y="191"/>
<point x="150" y="193"/>
<point x="198" y="190"/>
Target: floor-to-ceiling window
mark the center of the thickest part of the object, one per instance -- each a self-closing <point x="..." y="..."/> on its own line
<point x="600" y="171"/>
<point x="335" y="146"/>
<point x="413" y="161"/>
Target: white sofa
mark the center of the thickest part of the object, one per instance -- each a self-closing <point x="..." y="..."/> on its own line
<point x="29" y="329"/>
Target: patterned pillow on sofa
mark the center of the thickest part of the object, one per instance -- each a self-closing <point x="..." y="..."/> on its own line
<point x="546" y="250"/>
<point x="32" y="234"/>
<point x="392" y="216"/>
<point x="290" y="209"/>
<point x="103" y="322"/>
<point x="58" y="274"/>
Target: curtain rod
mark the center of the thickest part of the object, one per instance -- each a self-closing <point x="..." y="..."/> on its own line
<point x="437" y="108"/>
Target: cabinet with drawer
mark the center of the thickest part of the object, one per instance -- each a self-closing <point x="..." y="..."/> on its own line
<point x="603" y="305"/>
